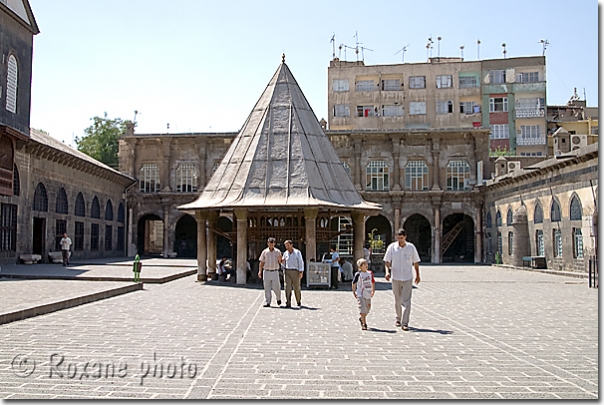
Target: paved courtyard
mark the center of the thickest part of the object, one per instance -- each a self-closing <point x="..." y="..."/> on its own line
<point x="476" y="332"/>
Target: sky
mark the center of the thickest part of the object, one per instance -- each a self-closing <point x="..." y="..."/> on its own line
<point x="200" y="65"/>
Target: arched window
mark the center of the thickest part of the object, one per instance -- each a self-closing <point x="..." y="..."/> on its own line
<point x="186" y="178"/>
<point x="416" y="175"/>
<point x="509" y="218"/>
<point x="489" y="220"/>
<point x="95" y="210"/>
<point x="16" y="182"/>
<point x="11" y="84"/>
<point x="40" y="198"/>
<point x="555" y="212"/>
<point x="80" y="206"/>
<point x="576" y="212"/>
<point x="538" y="219"/>
<point x="121" y="217"/>
<point x="346" y="168"/>
<point x="62" y="205"/>
<point x="498" y="219"/>
<point x="377" y="176"/>
<point x="458" y="174"/>
<point x="149" y="179"/>
<point x="109" y="211"/>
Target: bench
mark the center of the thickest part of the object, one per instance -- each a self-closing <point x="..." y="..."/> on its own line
<point x="55" y="257"/>
<point x="535" y="262"/>
<point x="29" y="258"/>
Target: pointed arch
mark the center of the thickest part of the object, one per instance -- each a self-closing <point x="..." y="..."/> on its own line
<point x="498" y="218"/>
<point x="12" y="74"/>
<point x="80" y="206"/>
<point x="509" y="220"/>
<point x="489" y="220"/>
<point x="95" y="209"/>
<point x="40" y="198"/>
<point x="555" y="213"/>
<point x="109" y="211"/>
<point x="538" y="215"/>
<point x="121" y="216"/>
<point x="16" y="182"/>
<point x="576" y="210"/>
<point x="62" y="206"/>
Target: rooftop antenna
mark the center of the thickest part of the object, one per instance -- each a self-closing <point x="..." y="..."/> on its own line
<point x="504" y="50"/>
<point x="356" y="48"/>
<point x="135" y="114"/>
<point x="545" y="44"/>
<point x="461" y="48"/>
<point x="429" y="48"/>
<point x="438" y="39"/>
<point x="333" y="41"/>
<point x="403" y="51"/>
<point x="363" y="52"/>
<point x="478" y="49"/>
<point x="168" y="127"/>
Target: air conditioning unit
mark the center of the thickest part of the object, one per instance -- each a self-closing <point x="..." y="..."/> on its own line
<point x="578" y="141"/>
<point x="514" y="166"/>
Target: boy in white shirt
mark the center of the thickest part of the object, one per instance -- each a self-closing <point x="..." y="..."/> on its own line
<point x="363" y="288"/>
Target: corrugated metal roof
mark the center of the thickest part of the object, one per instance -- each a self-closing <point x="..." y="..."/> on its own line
<point x="281" y="158"/>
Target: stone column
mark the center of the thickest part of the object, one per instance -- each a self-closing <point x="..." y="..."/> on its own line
<point x="310" y="217"/>
<point x="436" y="254"/>
<point x="396" y="170"/>
<point x="241" y="216"/>
<point x="435" y="164"/>
<point x="167" y="249"/>
<point x="521" y="236"/>
<point x="358" y="224"/>
<point x="212" y="219"/>
<point x="202" y="253"/>
<point x="396" y="204"/>
<point x="478" y="234"/>
<point x="165" y="165"/>
<point x="358" y="150"/>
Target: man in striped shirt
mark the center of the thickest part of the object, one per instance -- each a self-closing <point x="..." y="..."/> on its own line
<point x="269" y="271"/>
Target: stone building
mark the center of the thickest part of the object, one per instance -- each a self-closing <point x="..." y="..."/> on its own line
<point x="548" y="210"/>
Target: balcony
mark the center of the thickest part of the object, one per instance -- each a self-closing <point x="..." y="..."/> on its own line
<point x="530" y="112"/>
<point x="530" y="141"/>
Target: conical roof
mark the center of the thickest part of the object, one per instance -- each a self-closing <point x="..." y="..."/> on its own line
<point x="281" y="158"/>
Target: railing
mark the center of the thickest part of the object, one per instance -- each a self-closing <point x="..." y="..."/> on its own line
<point x="593" y="272"/>
<point x="530" y="141"/>
<point x="529" y="112"/>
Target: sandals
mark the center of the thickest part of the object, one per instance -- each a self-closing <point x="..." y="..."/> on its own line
<point x="363" y="325"/>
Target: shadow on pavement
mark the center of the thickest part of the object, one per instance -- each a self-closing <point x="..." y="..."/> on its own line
<point x="442" y="332"/>
<point x="381" y="330"/>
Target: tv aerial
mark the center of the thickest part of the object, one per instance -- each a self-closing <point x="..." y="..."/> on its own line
<point x="403" y="50"/>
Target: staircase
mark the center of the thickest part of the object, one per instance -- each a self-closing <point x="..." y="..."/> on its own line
<point x="450" y="237"/>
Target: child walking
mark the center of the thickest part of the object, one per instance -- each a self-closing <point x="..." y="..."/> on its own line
<point x="363" y="288"/>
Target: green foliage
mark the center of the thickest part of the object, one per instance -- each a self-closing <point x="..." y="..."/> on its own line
<point x="376" y="243"/>
<point x="101" y="140"/>
<point x="502" y="152"/>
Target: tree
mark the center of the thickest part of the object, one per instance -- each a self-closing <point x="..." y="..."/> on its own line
<point x="101" y="140"/>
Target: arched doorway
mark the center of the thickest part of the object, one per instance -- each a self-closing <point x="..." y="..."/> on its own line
<point x="185" y="237"/>
<point x="458" y="239"/>
<point x="224" y="247"/>
<point x="419" y="232"/>
<point x="150" y="235"/>
<point x="378" y="233"/>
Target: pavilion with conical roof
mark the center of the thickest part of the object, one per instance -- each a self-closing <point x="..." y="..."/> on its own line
<point x="281" y="177"/>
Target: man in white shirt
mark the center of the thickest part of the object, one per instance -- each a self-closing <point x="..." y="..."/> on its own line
<point x="400" y="259"/>
<point x="294" y="271"/>
<point x="65" y="247"/>
<point x="269" y="271"/>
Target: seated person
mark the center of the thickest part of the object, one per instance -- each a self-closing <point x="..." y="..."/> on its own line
<point x="225" y="269"/>
<point x="347" y="270"/>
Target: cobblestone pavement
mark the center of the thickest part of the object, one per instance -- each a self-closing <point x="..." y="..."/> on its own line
<point x="476" y="332"/>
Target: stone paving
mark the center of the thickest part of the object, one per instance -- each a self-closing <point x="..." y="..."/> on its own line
<point x="477" y="332"/>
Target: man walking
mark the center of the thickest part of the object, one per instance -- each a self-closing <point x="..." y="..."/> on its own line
<point x="400" y="259"/>
<point x="65" y="247"/>
<point x="269" y="271"/>
<point x="294" y="271"/>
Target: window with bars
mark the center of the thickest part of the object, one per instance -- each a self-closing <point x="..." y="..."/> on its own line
<point x="186" y="178"/>
<point x="393" y="110"/>
<point x="489" y="239"/>
<point x="530" y="132"/>
<point x="94" y="236"/>
<point x="444" y="107"/>
<point x="594" y="130"/>
<point x="466" y="82"/>
<point x="540" y="242"/>
<point x="499" y="242"/>
<point x="458" y="174"/>
<point x="109" y="211"/>
<point x="538" y="218"/>
<point x="108" y="237"/>
<point x="509" y="218"/>
<point x="577" y="243"/>
<point x="60" y="229"/>
<point x="392" y="84"/>
<point x="510" y="243"/>
<point x="40" y="198"/>
<point x="417" y="82"/>
<point x="120" y="238"/>
<point x="62" y="206"/>
<point x="497" y="76"/>
<point x="149" y="179"/>
<point x="557" y="243"/>
<point x="498" y="218"/>
<point x="498" y="104"/>
<point x="365" y="85"/>
<point x="377" y="176"/>
<point x="339" y="85"/>
<point x="366" y="111"/>
<point x="341" y="110"/>
<point x="576" y="212"/>
<point x="417" y="108"/>
<point x="416" y="175"/>
<point x="80" y="206"/>
<point x="16" y="182"/>
<point x="78" y="236"/>
<point x="95" y="209"/>
<point x="8" y="227"/>
<point x="500" y="131"/>
<point x="11" y="84"/>
<point x="469" y="107"/>
<point x="444" y="81"/>
<point x="529" y="77"/>
<point x="555" y="214"/>
<point x="530" y="103"/>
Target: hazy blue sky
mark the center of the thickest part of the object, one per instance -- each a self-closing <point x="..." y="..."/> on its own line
<point x="202" y="65"/>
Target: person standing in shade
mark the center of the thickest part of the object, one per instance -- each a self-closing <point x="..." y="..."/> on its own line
<point x="335" y="267"/>
<point x="65" y="247"/>
<point x="294" y="271"/>
<point x="269" y="271"/>
<point x="400" y="259"/>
